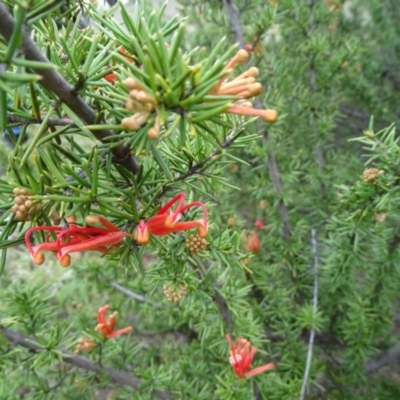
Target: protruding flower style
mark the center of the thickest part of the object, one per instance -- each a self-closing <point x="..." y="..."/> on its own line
<point x="76" y="239"/>
<point x="241" y="355"/>
<point x="252" y="242"/>
<point x="244" y="86"/>
<point x="106" y="325"/>
<point x="166" y="221"/>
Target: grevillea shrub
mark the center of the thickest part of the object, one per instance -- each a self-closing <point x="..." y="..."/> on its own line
<point x="199" y="206"/>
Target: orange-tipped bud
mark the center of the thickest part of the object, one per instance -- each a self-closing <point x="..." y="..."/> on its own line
<point x="239" y="58"/>
<point x="130" y="123"/>
<point x="141" y="96"/>
<point x="237" y="86"/>
<point x="266" y="115"/>
<point x="270" y="115"/>
<point x="133" y="93"/>
<point x="242" y="56"/>
<point x="148" y="107"/>
<point x="252" y="71"/>
<point x="134" y="122"/>
<point x="131" y="83"/>
<point x="144" y="97"/>
<point x="132" y="106"/>
<point x="251" y="90"/>
<point x="153" y="133"/>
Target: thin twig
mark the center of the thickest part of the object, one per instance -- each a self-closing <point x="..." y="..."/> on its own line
<point x="116" y="376"/>
<point x="313" y="87"/>
<point x="234" y="20"/>
<point x="315" y="305"/>
<point x="129" y="293"/>
<point x="276" y="180"/>
<point x="56" y="83"/>
<point x="51" y="122"/>
<point x="133" y="295"/>
<point x="272" y="163"/>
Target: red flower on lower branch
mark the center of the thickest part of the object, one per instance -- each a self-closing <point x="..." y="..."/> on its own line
<point x="241" y="357"/>
<point x="166" y="220"/>
<point x="106" y="325"/>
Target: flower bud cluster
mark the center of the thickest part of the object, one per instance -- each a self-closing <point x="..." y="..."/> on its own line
<point x="371" y="174"/>
<point x="142" y="104"/>
<point x="24" y="207"/>
<point x="244" y="86"/>
<point x="195" y="243"/>
<point x="175" y="293"/>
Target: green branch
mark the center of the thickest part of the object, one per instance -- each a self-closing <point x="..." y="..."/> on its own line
<point x="116" y="376"/>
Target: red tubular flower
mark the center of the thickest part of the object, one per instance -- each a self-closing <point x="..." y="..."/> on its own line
<point x="252" y="242"/>
<point x="166" y="221"/>
<point x="241" y="356"/>
<point x="106" y="326"/>
<point x="76" y="239"/>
